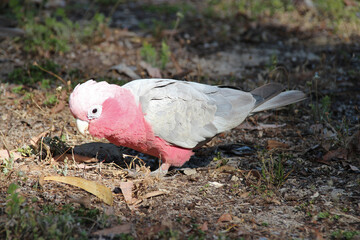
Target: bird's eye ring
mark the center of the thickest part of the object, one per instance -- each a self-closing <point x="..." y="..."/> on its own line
<point x="94" y="112"/>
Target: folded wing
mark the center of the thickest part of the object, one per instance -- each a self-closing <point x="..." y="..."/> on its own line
<point x="187" y="114"/>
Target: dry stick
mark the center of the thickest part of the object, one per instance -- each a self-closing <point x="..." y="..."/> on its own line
<point x="52" y="74"/>
<point x="32" y="99"/>
<point x="4" y="142"/>
<point x="173" y="59"/>
<point x="113" y="9"/>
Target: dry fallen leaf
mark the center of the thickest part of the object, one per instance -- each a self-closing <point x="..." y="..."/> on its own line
<point x="126" y="189"/>
<point x="78" y="158"/>
<point x="152" y="71"/>
<point x="117" y="230"/>
<point x="189" y="171"/>
<point x="99" y="190"/>
<point x="34" y="140"/>
<point x="84" y="201"/>
<point x="354" y="168"/>
<point x="4" y="154"/>
<point x="58" y="107"/>
<point x="216" y="184"/>
<point x="271" y="144"/>
<point x="340" y="153"/>
<point x="245" y="194"/>
<point x="204" y="227"/>
<point x="153" y="194"/>
<point x="123" y="68"/>
<point x="226" y="217"/>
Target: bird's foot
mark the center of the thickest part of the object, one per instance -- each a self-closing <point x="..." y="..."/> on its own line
<point x="161" y="171"/>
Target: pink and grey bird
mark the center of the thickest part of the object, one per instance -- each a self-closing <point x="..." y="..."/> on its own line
<point x="168" y="118"/>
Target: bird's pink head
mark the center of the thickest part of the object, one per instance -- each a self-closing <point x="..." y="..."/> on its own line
<point x="104" y="107"/>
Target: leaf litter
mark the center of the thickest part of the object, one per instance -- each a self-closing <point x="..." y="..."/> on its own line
<point x="325" y="176"/>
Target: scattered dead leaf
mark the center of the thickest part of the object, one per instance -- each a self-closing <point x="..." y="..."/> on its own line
<point x="111" y="232"/>
<point x="318" y="234"/>
<point x="204" y="227"/>
<point x="84" y="201"/>
<point x="226" y="169"/>
<point x="34" y="140"/>
<point x="99" y="190"/>
<point x="41" y="180"/>
<point x="189" y="171"/>
<point x="126" y="189"/>
<point x="216" y="184"/>
<point x="340" y="153"/>
<point x="273" y="144"/>
<point x="78" y="158"/>
<point x="245" y="194"/>
<point x="354" y="168"/>
<point x="152" y="71"/>
<point x="123" y="68"/>
<point x="58" y="107"/>
<point x="4" y="154"/>
<point x="350" y="3"/>
<point x="226" y="217"/>
<point x="153" y="194"/>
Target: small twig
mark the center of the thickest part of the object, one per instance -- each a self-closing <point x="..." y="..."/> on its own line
<point x="51" y="73"/>
<point x="32" y="99"/>
<point x="4" y="142"/>
<point x="132" y="161"/>
<point x="113" y="9"/>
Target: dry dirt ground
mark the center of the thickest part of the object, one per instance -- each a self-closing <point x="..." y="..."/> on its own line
<point x="283" y="174"/>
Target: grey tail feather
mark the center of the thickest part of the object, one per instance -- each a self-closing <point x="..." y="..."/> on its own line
<point x="282" y="99"/>
<point x="266" y="92"/>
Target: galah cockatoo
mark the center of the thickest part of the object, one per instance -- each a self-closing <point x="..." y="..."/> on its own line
<point x="168" y="118"/>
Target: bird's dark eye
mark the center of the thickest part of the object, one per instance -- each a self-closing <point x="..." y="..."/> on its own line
<point x="94" y="112"/>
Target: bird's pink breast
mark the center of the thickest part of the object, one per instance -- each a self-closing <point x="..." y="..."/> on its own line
<point x="138" y="135"/>
<point x="155" y="146"/>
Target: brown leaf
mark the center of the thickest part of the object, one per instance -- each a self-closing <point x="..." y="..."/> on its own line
<point x="111" y="232"/>
<point x="350" y="3"/>
<point x="271" y="144"/>
<point x="123" y="68"/>
<point x="63" y="95"/>
<point x="226" y="217"/>
<point x="126" y="189"/>
<point x="78" y="158"/>
<point x="245" y="194"/>
<point x="152" y="71"/>
<point x="99" y="190"/>
<point x="34" y="140"/>
<point x="153" y="194"/>
<point x="84" y="201"/>
<point x="318" y="234"/>
<point x="41" y="180"/>
<point x="181" y="75"/>
<point x="58" y="107"/>
<point x="204" y="227"/>
<point x="340" y="153"/>
<point x="4" y="154"/>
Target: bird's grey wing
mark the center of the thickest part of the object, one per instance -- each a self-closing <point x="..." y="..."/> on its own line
<point x="178" y="113"/>
<point x="187" y="113"/>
